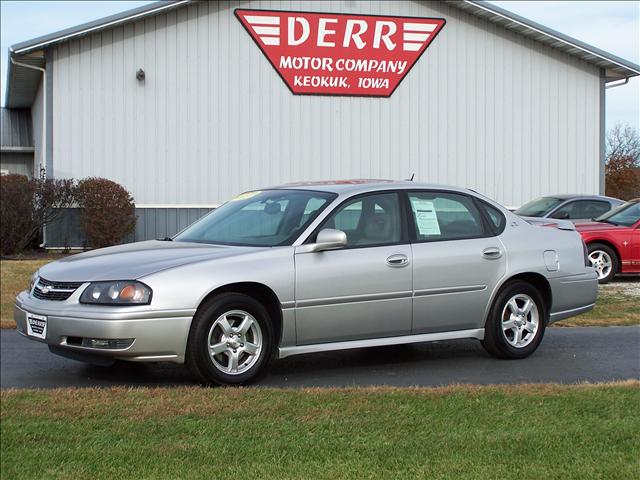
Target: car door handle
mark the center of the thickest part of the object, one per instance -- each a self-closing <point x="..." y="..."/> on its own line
<point x="492" y="253"/>
<point x="398" y="260"/>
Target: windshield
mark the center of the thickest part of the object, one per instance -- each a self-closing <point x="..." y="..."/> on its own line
<point x="538" y="207"/>
<point x="259" y="219"/>
<point x="626" y="214"/>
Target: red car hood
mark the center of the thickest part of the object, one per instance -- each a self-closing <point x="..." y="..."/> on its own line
<point x="597" y="227"/>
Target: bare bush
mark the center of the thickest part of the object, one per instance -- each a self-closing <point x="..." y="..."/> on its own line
<point x="622" y="170"/>
<point x="27" y="205"/>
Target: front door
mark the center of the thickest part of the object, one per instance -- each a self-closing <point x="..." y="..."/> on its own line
<point x="457" y="260"/>
<point x="635" y="249"/>
<point x="364" y="289"/>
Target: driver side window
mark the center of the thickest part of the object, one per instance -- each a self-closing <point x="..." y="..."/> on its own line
<point x="368" y="221"/>
<point x="581" y="209"/>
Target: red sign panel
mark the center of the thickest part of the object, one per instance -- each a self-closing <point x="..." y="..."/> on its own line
<point x="337" y="54"/>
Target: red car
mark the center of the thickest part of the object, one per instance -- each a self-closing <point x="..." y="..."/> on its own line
<point x="613" y="241"/>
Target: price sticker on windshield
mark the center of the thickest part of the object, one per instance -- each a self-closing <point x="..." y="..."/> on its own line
<point x="246" y="195"/>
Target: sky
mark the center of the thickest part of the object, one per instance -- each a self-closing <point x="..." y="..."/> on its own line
<point x="613" y="26"/>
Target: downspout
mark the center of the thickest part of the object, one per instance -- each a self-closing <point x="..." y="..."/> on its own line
<point x="44" y="106"/>
<point x="44" y="126"/>
<point x="603" y="133"/>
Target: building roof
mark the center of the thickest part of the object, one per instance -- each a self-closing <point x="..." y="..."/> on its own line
<point x="16" y="131"/>
<point x="22" y="82"/>
<point x="616" y="67"/>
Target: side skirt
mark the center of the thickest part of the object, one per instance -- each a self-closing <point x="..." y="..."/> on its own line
<point x="477" y="333"/>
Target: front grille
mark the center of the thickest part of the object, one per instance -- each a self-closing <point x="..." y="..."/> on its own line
<point x="57" y="291"/>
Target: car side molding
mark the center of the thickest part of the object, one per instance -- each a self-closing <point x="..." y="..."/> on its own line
<point x="477" y="333"/>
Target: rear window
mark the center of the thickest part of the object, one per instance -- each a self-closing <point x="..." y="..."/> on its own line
<point x="497" y="220"/>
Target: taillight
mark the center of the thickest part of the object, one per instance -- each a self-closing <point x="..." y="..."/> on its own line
<point x="587" y="263"/>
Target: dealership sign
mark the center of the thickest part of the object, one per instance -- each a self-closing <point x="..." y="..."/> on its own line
<point x="336" y="54"/>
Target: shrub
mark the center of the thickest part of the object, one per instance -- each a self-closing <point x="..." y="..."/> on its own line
<point x="16" y="198"/>
<point x="108" y="212"/>
<point x="27" y="205"/>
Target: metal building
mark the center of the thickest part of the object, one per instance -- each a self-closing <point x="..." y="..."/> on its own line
<point x="16" y="142"/>
<point x="176" y="102"/>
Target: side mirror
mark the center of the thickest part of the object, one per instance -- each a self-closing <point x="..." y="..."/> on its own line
<point x="561" y="215"/>
<point x="327" y="239"/>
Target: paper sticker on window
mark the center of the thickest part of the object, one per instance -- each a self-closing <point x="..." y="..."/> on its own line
<point x="245" y="195"/>
<point x="426" y="218"/>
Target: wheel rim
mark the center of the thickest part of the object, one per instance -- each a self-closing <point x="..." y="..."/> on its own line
<point x="520" y="320"/>
<point x="601" y="261"/>
<point x="234" y="342"/>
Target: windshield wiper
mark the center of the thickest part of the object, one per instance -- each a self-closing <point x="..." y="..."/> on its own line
<point x="165" y="239"/>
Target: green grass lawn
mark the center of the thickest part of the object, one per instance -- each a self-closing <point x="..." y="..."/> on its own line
<point x="520" y="432"/>
<point x="615" y="306"/>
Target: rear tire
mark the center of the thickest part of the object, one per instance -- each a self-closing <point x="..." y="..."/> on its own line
<point x="231" y="341"/>
<point x="605" y="260"/>
<point x="516" y="322"/>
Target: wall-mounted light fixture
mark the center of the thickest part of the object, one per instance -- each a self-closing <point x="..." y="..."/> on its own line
<point x="140" y="75"/>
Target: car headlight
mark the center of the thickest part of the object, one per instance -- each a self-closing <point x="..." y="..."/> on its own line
<point x="117" y="293"/>
<point x="34" y="279"/>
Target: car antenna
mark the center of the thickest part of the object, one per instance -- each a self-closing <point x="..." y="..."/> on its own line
<point x="411" y="179"/>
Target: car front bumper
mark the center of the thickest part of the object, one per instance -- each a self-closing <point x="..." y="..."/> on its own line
<point x="157" y="335"/>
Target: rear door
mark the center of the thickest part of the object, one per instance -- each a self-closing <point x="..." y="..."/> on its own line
<point x="457" y="259"/>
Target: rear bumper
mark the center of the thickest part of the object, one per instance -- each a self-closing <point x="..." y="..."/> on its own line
<point x="157" y="335"/>
<point x="573" y="295"/>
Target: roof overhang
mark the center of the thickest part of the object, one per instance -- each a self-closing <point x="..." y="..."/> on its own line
<point x="22" y="82"/>
<point x="616" y="68"/>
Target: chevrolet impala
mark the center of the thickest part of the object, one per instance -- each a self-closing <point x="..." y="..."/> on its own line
<point x="311" y="267"/>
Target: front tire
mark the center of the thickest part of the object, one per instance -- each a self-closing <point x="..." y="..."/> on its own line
<point x="605" y="260"/>
<point x="516" y="322"/>
<point x="231" y="340"/>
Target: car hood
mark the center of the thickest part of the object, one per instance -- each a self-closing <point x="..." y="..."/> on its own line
<point x="597" y="227"/>
<point x="134" y="260"/>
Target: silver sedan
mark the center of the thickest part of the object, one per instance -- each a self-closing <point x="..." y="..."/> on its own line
<point x="314" y="267"/>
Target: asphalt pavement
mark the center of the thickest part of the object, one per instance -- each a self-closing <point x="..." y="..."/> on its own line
<point x="567" y="355"/>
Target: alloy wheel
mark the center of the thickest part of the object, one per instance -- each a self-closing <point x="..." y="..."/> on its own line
<point x="602" y="262"/>
<point x="520" y="320"/>
<point x="234" y="342"/>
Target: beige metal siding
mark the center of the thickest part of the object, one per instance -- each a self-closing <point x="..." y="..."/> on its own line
<point x="483" y="108"/>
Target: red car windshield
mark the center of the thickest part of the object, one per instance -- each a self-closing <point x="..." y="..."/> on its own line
<point x="626" y="214"/>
